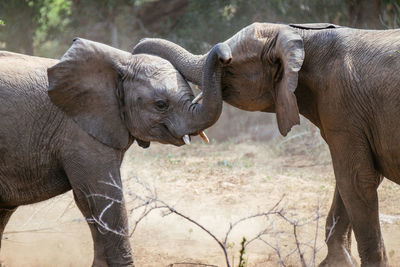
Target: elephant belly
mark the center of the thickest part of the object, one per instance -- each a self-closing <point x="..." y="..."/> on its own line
<point x="391" y="171"/>
<point x="387" y="158"/>
<point x="21" y="185"/>
<point x="29" y="168"/>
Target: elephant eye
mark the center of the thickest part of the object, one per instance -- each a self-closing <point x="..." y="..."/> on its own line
<point x="161" y="105"/>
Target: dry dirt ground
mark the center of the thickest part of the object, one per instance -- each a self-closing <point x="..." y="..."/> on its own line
<point x="215" y="185"/>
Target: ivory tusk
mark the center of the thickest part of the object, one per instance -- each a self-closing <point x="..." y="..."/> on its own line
<point x="197" y="98"/>
<point x="204" y="137"/>
<point x="186" y="139"/>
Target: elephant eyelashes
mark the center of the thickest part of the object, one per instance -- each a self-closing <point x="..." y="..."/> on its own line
<point x="161" y="105"/>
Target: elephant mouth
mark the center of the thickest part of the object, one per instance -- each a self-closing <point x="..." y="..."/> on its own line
<point x="227" y="92"/>
<point x="187" y="138"/>
<point x="169" y="137"/>
<point x="225" y="95"/>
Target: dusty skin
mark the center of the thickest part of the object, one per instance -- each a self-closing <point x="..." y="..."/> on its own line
<point x="214" y="185"/>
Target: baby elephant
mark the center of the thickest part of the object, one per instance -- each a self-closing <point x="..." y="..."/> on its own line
<point x="66" y="125"/>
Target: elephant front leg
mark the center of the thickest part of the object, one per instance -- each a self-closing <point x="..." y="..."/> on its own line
<point x="357" y="182"/>
<point x="99" y="196"/>
<point x="338" y="235"/>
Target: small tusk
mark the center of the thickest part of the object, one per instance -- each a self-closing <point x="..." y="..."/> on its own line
<point x="186" y="139"/>
<point x="197" y="98"/>
<point x="204" y="137"/>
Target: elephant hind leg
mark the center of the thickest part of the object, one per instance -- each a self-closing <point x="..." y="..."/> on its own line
<point x="357" y="182"/>
<point x="5" y="214"/>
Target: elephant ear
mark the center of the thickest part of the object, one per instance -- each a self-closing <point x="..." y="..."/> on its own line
<point x="83" y="85"/>
<point x="289" y="50"/>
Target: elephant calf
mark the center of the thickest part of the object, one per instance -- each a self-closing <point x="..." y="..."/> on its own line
<point x="347" y="82"/>
<point x="66" y="125"/>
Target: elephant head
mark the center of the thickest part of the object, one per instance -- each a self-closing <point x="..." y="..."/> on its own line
<point x="112" y="94"/>
<point x="262" y="75"/>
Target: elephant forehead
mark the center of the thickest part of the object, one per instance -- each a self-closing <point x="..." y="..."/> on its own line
<point x="169" y="81"/>
<point x="158" y="73"/>
<point x="248" y="43"/>
<point x="152" y="65"/>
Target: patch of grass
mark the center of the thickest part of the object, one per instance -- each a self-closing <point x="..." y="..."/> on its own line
<point x="230" y="245"/>
<point x="172" y="160"/>
<point x="248" y="164"/>
<point x="265" y="179"/>
<point x="225" y="163"/>
<point x="242" y="252"/>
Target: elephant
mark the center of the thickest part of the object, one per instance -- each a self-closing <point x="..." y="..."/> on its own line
<point x="66" y="125"/>
<point x="346" y="81"/>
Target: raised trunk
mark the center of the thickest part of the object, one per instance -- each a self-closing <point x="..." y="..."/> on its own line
<point x="207" y="113"/>
<point x="191" y="66"/>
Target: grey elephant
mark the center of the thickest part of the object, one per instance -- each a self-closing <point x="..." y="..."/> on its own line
<point x="66" y="125"/>
<point x="345" y="81"/>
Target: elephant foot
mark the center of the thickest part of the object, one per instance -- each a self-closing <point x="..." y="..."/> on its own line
<point x="343" y="259"/>
<point x="338" y="263"/>
<point x="98" y="263"/>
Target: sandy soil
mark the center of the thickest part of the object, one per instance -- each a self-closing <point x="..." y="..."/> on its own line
<point x="214" y="185"/>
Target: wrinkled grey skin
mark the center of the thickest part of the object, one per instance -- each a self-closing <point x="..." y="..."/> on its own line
<point x="347" y="82"/>
<point x="66" y="125"/>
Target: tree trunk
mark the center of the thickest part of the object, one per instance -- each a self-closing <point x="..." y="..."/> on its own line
<point x="114" y="34"/>
<point x="365" y="13"/>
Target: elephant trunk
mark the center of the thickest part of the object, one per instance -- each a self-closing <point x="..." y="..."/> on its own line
<point x="189" y="65"/>
<point x="205" y="114"/>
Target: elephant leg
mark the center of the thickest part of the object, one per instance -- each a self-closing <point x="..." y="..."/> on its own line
<point x="98" y="193"/>
<point x="357" y="183"/>
<point x="104" y="210"/>
<point x="99" y="254"/>
<point x="338" y="235"/>
<point x="5" y="214"/>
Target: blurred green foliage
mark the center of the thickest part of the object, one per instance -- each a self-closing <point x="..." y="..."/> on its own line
<point x="46" y="27"/>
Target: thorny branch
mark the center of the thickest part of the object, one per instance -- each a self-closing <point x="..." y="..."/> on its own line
<point x="103" y="226"/>
<point x="191" y="263"/>
<point x="151" y="202"/>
